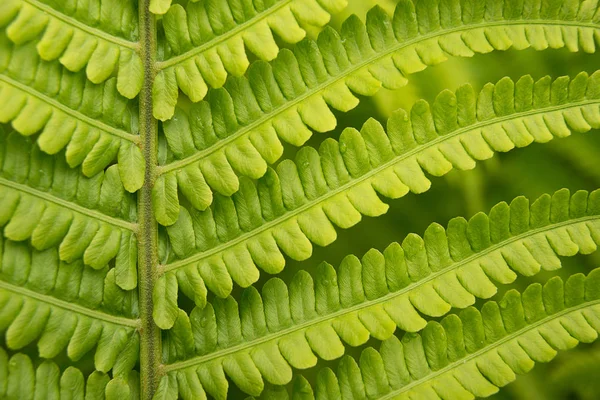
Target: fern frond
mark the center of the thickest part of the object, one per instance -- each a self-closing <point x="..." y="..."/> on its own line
<point x="239" y="129"/>
<point x="475" y="352"/>
<point x="206" y="42"/>
<point x="286" y="211"/>
<point x="293" y="326"/>
<point x="93" y="122"/>
<point x="54" y="206"/>
<point x="101" y="39"/>
<point x="43" y="275"/>
<point x="22" y="380"/>
<point x="60" y="305"/>
<point x="102" y="158"/>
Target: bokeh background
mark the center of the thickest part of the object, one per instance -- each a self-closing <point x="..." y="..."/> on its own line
<point x="572" y="163"/>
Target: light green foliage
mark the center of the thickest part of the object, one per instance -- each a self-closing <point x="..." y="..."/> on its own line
<point x="312" y="318"/>
<point x="22" y="380"/>
<point x="301" y="201"/>
<point x="141" y="147"/>
<point x="238" y="130"/>
<point x="80" y="34"/>
<point x="474" y="352"/>
<point x="206" y="41"/>
<point x="86" y="219"/>
<point x="93" y="123"/>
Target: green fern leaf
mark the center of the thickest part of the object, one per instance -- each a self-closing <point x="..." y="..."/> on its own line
<point x="88" y="219"/>
<point x="206" y="41"/>
<point x="475" y="352"/>
<point x="312" y="318"/>
<point x="46" y="381"/>
<point x="39" y="96"/>
<point x="302" y="201"/>
<point x="139" y="159"/>
<point x="100" y="39"/>
<point x="66" y="307"/>
<point x="239" y="129"/>
<point x="58" y="290"/>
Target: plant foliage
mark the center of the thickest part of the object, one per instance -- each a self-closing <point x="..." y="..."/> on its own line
<point x="144" y="155"/>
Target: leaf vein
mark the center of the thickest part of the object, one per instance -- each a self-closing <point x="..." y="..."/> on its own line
<point x="73" y="22"/>
<point x="221" y="38"/>
<point x="75" y="114"/>
<point x="491" y="347"/>
<point x="134" y="323"/>
<point x="67" y="204"/>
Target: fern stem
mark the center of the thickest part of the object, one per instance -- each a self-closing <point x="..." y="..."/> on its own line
<point x="150" y="341"/>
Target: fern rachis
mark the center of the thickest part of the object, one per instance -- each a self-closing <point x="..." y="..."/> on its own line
<point x="140" y="147"/>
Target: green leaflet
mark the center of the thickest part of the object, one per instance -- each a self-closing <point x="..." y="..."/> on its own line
<point x="238" y="129"/>
<point x="207" y="40"/>
<point x="92" y="122"/>
<point x="99" y="39"/>
<point x="474" y="352"/>
<point x="43" y="272"/>
<point x="311" y="318"/>
<point x="163" y="6"/>
<point x="160" y="6"/>
<point x="302" y="201"/>
<point x="66" y="307"/>
<point x="54" y="206"/>
<point x="22" y="380"/>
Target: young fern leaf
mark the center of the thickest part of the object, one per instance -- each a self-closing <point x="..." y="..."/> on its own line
<point x="293" y="327"/>
<point x="206" y="41"/>
<point x="474" y="352"/>
<point x="54" y="221"/>
<point x="58" y="325"/>
<point x="68" y="306"/>
<point x="52" y="205"/>
<point x="238" y="129"/>
<point x="100" y="37"/>
<point x="102" y="146"/>
<point x="299" y="204"/>
<point x="47" y="294"/>
<point x="93" y="122"/>
<point x="21" y="380"/>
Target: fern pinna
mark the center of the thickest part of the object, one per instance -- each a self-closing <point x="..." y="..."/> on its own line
<point x="144" y="193"/>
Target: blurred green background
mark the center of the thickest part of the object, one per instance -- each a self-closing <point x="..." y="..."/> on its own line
<point x="572" y="163"/>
